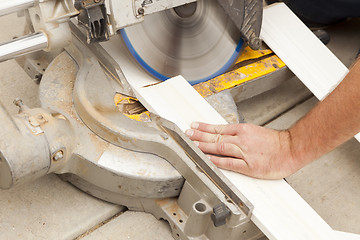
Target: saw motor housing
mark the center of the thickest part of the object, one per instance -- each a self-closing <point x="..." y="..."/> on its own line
<point x="246" y="15"/>
<point x="49" y="20"/>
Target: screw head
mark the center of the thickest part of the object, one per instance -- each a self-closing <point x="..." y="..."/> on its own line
<point x="255" y="43"/>
<point x="37" y="78"/>
<point x="18" y="102"/>
<point x="58" y="155"/>
<point x="141" y="11"/>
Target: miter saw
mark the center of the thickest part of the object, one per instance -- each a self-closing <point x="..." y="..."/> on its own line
<point x="92" y="131"/>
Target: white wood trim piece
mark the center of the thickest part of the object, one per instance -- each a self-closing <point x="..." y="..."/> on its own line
<point x="278" y="210"/>
<point x="166" y="100"/>
<point x="306" y="56"/>
<point x="357" y="136"/>
<point x="346" y="236"/>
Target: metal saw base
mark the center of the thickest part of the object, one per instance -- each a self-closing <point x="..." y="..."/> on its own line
<point x="80" y="89"/>
<point x="139" y="181"/>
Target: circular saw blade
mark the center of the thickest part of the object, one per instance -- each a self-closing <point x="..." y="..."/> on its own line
<point x="197" y="41"/>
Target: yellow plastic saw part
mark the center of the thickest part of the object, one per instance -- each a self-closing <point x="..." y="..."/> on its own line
<point x="249" y="66"/>
<point x="249" y="54"/>
<point x="140" y="113"/>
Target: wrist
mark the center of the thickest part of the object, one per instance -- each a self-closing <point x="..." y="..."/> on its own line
<point x="287" y="150"/>
<point x="300" y="148"/>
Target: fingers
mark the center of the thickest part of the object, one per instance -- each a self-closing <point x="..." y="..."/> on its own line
<point x="229" y="129"/>
<point x="224" y="149"/>
<point x="200" y="136"/>
<point x="232" y="164"/>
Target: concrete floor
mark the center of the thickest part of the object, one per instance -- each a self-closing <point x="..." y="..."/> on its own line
<point x="52" y="209"/>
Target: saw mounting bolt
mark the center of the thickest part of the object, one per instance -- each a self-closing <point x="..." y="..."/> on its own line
<point x="18" y="102"/>
<point x="255" y="43"/>
<point x="58" y="155"/>
<point x="141" y="11"/>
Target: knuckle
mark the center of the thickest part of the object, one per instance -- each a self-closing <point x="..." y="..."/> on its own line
<point x="221" y="148"/>
<point x="197" y="135"/>
<point x="218" y="129"/>
<point x="241" y="128"/>
<point x="231" y="164"/>
<point x="245" y="128"/>
<point x="216" y="138"/>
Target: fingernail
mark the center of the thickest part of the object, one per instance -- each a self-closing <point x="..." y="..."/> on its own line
<point x="189" y="132"/>
<point x="195" y="125"/>
<point x="196" y="143"/>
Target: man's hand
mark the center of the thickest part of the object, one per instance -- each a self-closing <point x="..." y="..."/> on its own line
<point x="248" y="149"/>
<point x="264" y="153"/>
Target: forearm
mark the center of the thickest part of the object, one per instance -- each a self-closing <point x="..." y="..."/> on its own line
<point x="330" y="123"/>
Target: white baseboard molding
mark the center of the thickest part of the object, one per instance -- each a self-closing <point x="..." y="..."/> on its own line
<point x="305" y="55"/>
<point x="346" y="236"/>
<point x="278" y="210"/>
<point x="357" y="136"/>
